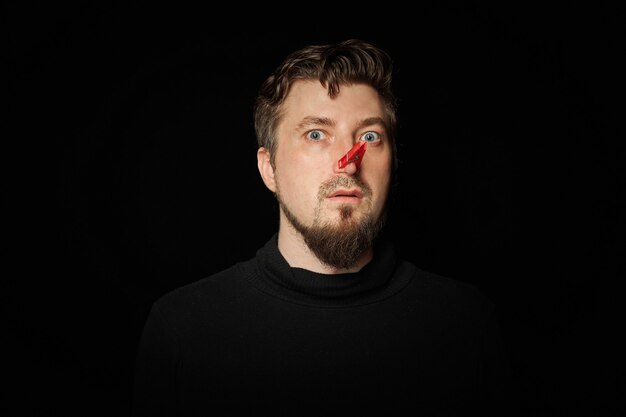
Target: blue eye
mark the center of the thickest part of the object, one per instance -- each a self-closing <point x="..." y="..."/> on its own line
<point x="370" y="137"/>
<point x="315" y="135"/>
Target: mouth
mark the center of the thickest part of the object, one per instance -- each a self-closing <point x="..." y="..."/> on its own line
<point x="346" y="196"/>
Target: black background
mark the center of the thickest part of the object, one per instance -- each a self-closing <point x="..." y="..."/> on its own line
<point x="130" y="169"/>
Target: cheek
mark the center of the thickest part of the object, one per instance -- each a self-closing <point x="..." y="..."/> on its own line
<point x="380" y="181"/>
<point x="296" y="183"/>
<point x="379" y="174"/>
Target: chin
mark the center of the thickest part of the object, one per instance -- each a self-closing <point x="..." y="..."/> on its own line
<point x="344" y="220"/>
<point x="346" y="214"/>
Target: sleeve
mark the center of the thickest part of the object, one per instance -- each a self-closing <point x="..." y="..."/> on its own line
<point x="155" y="390"/>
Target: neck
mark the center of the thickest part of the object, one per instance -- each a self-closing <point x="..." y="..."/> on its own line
<point x="292" y="246"/>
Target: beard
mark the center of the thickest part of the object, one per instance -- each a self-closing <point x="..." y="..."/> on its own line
<point x="341" y="243"/>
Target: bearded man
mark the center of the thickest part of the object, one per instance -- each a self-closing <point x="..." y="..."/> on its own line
<point x="326" y="319"/>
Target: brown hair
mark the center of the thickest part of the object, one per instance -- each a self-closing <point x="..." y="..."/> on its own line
<point x="347" y="62"/>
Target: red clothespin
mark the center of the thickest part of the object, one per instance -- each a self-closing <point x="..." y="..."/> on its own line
<point x="354" y="155"/>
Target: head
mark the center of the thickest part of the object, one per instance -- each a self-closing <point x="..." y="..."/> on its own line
<point x="309" y="112"/>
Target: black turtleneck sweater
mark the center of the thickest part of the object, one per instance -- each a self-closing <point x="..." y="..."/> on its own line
<point x="262" y="336"/>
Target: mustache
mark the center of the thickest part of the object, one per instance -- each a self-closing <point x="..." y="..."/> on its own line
<point x="330" y="186"/>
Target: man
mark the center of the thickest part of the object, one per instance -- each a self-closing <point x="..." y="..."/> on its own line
<point x="325" y="319"/>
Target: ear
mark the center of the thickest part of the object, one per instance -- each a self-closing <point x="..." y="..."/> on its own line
<point x="266" y="169"/>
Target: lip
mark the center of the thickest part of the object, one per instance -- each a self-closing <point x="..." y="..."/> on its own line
<point x="346" y="194"/>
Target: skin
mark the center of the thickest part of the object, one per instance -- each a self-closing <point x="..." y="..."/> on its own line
<point x="313" y="133"/>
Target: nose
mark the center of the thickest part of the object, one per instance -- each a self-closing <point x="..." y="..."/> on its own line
<point x="350" y="162"/>
<point x="350" y="168"/>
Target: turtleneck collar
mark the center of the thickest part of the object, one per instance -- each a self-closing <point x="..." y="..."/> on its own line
<point x="372" y="283"/>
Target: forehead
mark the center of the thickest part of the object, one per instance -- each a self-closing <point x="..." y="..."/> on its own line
<point x="309" y="98"/>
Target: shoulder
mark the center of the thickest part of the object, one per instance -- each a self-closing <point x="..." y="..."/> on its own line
<point x="211" y="290"/>
<point x="448" y="285"/>
<point x="448" y="293"/>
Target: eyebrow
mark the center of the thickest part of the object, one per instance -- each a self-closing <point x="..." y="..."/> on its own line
<point x="325" y="121"/>
<point x="315" y="121"/>
<point x="369" y="121"/>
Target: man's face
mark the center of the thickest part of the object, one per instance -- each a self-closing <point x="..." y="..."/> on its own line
<point x="314" y="133"/>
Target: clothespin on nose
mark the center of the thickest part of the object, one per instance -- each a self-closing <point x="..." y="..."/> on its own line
<point x="354" y="155"/>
